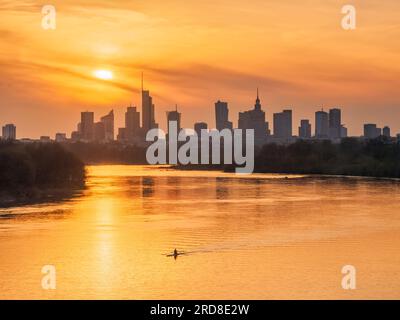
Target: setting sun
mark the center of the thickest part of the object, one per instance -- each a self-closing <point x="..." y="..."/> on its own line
<point x="103" y="74"/>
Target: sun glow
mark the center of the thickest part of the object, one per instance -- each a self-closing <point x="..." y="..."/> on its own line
<point x="103" y="74"/>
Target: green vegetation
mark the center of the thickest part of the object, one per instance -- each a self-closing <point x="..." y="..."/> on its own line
<point x="27" y="168"/>
<point x="374" y="158"/>
<point x="107" y="153"/>
<point x="353" y="157"/>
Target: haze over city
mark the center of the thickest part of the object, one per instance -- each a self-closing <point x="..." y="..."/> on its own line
<point x="194" y="53"/>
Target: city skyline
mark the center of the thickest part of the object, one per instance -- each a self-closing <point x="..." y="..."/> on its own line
<point x="327" y="125"/>
<point x="296" y="52"/>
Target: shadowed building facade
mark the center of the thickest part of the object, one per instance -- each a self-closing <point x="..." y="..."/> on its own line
<point x="9" y="132"/>
<point x="255" y="119"/>
<point x="87" y="126"/>
<point x="305" y="129"/>
<point x="222" y="116"/>
<point x="148" y="110"/>
<point x="321" y="125"/>
<point x="108" y="122"/>
<point x="283" y="125"/>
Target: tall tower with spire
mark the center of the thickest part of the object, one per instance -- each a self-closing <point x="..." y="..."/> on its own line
<point x="148" y="110"/>
<point x="255" y="119"/>
<point x="257" y="106"/>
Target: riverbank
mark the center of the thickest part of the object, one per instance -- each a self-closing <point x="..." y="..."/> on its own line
<point x="36" y="172"/>
<point x="379" y="158"/>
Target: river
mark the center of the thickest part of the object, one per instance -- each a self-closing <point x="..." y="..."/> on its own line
<point x="245" y="237"/>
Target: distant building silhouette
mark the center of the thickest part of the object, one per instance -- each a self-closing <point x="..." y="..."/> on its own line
<point x="87" y="126"/>
<point x="122" y="136"/>
<point x="335" y="123"/>
<point x="9" y="132"/>
<point x="99" y="132"/>
<point x="132" y="124"/>
<point x="148" y="111"/>
<point x="283" y="125"/>
<point x="75" y="136"/>
<point x="305" y="129"/>
<point x="45" y="139"/>
<point x="198" y="126"/>
<point x="371" y="131"/>
<point x="222" y="116"/>
<point x="108" y="122"/>
<point x="255" y="119"/>
<point x="386" y="132"/>
<point x="60" y="137"/>
<point x="343" y="132"/>
<point x="321" y="125"/>
<point x="174" y="116"/>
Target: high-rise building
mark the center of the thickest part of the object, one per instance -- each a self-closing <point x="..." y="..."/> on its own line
<point x="9" y="132"/>
<point x="283" y="124"/>
<point x="121" y="137"/>
<point x="198" y="126"/>
<point x="75" y="136"/>
<point x="174" y="116"/>
<point x="222" y="116"/>
<point x="305" y="129"/>
<point x="255" y="119"/>
<point x="343" y="131"/>
<point x="386" y="132"/>
<point x="335" y="123"/>
<point x="108" y="122"/>
<point x="87" y="126"/>
<point x="148" y="111"/>
<point x="99" y="132"/>
<point x="371" y="131"/>
<point x="321" y="125"/>
<point x="132" y="124"/>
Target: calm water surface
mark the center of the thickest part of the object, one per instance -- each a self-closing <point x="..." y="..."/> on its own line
<point x="258" y="237"/>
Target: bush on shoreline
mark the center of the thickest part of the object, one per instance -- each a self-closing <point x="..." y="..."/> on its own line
<point x="374" y="158"/>
<point x="38" y="165"/>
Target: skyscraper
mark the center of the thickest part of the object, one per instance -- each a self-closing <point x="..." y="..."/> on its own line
<point x="108" y="122"/>
<point x="305" y="129"/>
<point x="222" y="116"/>
<point x="255" y="119"/>
<point x="371" y="131"/>
<point x="9" y="132"/>
<point x="335" y="123"/>
<point x="198" y="126"/>
<point x="283" y="124"/>
<point x="148" y="111"/>
<point x="99" y="132"/>
<point x="174" y="116"/>
<point x="386" y="132"/>
<point x="87" y="126"/>
<point x="132" y="124"/>
<point x="321" y="125"/>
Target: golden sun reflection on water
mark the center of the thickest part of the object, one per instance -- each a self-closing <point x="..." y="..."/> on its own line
<point x="261" y="237"/>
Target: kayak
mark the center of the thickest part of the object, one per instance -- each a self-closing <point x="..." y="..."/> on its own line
<point x="175" y="255"/>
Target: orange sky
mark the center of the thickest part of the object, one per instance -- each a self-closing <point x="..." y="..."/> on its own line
<point x="196" y="52"/>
